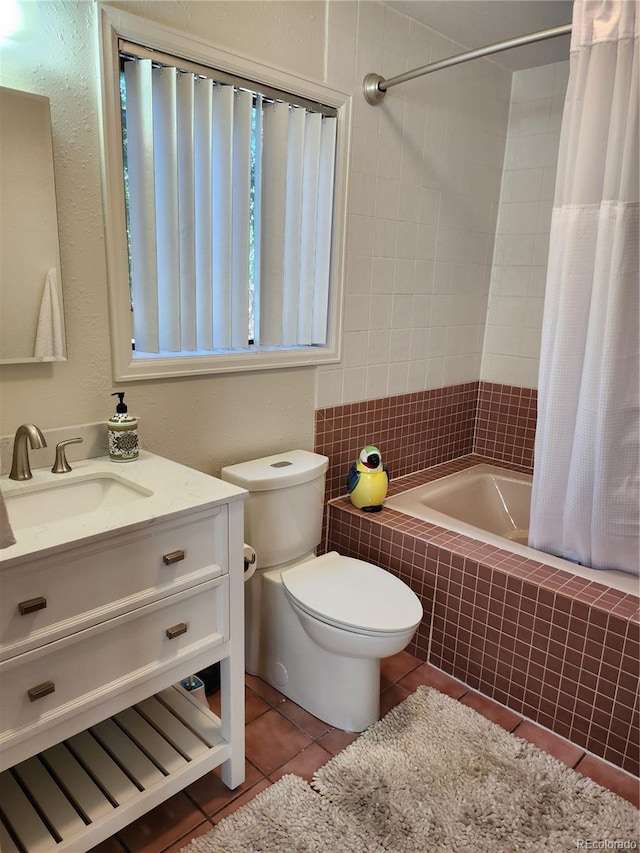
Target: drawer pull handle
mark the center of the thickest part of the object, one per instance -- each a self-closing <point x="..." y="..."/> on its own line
<point x="41" y="690"/>
<point x="31" y="605"/>
<point x="176" y="630"/>
<point x="173" y="557"/>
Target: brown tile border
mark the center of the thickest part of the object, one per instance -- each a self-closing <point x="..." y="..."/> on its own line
<point x="413" y="431"/>
<point x="506" y="423"/>
<point x="425" y="428"/>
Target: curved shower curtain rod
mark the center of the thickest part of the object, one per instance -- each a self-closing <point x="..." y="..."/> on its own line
<point x="375" y="87"/>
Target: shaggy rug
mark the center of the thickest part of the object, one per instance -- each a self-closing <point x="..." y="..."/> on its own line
<point x="433" y="775"/>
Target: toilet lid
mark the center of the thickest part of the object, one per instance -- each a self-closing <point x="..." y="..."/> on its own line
<point x="354" y="594"/>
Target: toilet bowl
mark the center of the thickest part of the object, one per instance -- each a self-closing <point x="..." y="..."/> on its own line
<point x="352" y="608"/>
<point x="316" y="626"/>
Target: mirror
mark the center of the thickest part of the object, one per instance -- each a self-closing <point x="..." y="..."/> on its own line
<point x="31" y="308"/>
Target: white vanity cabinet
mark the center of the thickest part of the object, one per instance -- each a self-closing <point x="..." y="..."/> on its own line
<point x="97" y="628"/>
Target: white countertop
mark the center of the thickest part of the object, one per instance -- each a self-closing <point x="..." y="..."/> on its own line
<point x="174" y="490"/>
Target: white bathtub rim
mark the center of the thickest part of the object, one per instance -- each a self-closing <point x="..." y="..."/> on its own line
<point x="621" y="581"/>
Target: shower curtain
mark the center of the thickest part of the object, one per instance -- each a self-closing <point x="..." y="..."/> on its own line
<point x="586" y="484"/>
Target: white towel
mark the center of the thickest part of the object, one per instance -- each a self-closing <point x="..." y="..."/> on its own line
<point x="6" y="533"/>
<point x="50" y="333"/>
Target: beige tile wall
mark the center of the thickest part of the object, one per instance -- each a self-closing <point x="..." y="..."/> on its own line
<point x="425" y="178"/>
<point x="514" y="316"/>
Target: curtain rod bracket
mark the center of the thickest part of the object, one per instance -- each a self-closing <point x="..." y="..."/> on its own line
<point x="373" y="93"/>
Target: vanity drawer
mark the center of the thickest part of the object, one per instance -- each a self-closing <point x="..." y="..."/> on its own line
<point x="46" y="599"/>
<point x="78" y="672"/>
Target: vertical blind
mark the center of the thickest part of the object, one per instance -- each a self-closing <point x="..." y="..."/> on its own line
<point x="230" y="199"/>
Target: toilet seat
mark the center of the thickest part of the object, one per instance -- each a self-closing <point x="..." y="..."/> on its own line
<point x="353" y="595"/>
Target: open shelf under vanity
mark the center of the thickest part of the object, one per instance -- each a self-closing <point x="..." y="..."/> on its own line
<point x="80" y="791"/>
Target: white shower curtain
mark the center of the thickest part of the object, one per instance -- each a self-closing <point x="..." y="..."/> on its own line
<point x="586" y="484"/>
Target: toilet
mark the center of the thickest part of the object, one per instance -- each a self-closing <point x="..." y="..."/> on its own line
<point x="316" y="627"/>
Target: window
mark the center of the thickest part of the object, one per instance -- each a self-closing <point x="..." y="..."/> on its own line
<point x="225" y="207"/>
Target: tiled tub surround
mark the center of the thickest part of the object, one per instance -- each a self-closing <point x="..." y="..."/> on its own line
<point x="425" y="428"/>
<point x="562" y="650"/>
<point x="505" y="423"/>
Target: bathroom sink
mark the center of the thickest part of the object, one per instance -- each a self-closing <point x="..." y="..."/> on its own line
<point x="33" y="505"/>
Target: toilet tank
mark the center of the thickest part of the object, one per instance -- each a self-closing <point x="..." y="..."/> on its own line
<point x="283" y="512"/>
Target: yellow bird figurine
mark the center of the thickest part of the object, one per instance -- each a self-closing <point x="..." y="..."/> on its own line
<point x="368" y="480"/>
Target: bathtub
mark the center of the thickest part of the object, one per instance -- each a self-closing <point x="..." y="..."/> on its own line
<point x="492" y="504"/>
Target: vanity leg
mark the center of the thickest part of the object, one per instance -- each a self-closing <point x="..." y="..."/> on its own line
<point x="232" y="667"/>
<point x="233" y="771"/>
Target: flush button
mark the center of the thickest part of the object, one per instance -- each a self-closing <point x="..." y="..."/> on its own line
<point x="283" y="464"/>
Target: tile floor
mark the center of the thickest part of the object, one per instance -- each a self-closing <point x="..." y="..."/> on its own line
<point x="283" y="738"/>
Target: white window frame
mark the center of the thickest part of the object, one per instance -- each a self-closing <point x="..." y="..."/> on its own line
<point x="114" y="25"/>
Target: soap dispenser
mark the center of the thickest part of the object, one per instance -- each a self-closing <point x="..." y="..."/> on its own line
<point x="123" y="433"/>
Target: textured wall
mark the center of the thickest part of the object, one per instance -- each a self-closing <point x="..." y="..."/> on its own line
<point x="287" y="34"/>
<point x="205" y="422"/>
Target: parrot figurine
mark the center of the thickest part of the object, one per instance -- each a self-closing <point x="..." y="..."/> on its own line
<point x="368" y="480"/>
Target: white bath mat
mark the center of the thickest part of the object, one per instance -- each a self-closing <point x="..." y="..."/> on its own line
<point x="433" y="775"/>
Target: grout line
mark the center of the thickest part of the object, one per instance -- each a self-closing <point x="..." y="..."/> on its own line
<point x="182" y="840"/>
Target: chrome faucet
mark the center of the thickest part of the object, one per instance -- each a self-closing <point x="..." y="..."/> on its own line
<point x="20" y="468"/>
